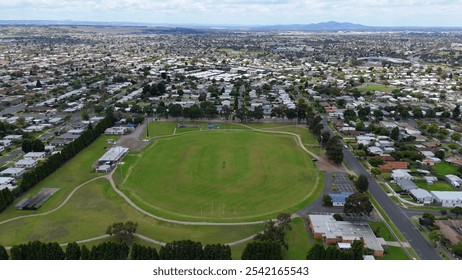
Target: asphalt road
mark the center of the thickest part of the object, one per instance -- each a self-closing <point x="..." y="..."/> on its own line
<point x="421" y="246"/>
<point x="11" y="156"/>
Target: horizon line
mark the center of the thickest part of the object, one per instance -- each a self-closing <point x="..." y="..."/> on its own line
<point x="133" y="23"/>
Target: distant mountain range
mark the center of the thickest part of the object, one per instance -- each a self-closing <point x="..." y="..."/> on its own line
<point x="322" y="26"/>
<point x="330" y="25"/>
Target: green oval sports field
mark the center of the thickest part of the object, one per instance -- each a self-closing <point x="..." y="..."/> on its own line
<point x="221" y="175"/>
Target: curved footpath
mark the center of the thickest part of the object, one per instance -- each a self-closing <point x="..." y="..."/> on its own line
<point x="137" y="208"/>
<point x="57" y="208"/>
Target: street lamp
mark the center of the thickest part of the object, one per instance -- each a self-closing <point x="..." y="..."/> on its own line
<point x="154" y="124"/>
<point x="147" y="125"/>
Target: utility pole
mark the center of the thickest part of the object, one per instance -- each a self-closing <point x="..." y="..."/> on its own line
<point x="147" y="126"/>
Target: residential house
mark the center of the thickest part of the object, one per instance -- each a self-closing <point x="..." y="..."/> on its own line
<point x="26" y="163"/>
<point x="400" y="174"/>
<point x="448" y="198"/>
<point x="421" y="195"/>
<point x="406" y="184"/>
<point x="455" y="160"/>
<point x="7" y="183"/>
<point x="13" y="137"/>
<point x="50" y="149"/>
<point x="6" y="143"/>
<point x="430" y="179"/>
<point x="118" y="130"/>
<point x="388" y="167"/>
<point x="13" y="172"/>
<point x="35" y="155"/>
<point x="454" y="180"/>
<point x="375" y="151"/>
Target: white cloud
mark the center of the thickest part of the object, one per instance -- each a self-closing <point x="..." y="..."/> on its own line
<point x="371" y="12"/>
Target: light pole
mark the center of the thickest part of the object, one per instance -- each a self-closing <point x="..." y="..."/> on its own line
<point x="147" y="125"/>
<point x="154" y="124"/>
<point x="296" y="121"/>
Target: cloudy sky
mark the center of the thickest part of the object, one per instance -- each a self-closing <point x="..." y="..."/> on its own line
<point x="241" y="12"/>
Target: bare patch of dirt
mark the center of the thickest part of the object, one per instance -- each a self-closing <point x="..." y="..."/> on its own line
<point x="325" y="165"/>
<point x="134" y="141"/>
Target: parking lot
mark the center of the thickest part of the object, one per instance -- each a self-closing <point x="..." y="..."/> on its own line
<point x="342" y="183"/>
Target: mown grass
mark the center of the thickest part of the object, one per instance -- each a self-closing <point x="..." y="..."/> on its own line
<point x="221" y="174"/>
<point x="94" y="207"/>
<point x="437" y="186"/>
<point x="384" y="232"/>
<point x="73" y="173"/>
<point x="444" y="168"/>
<point x="297" y="239"/>
<point x="375" y="87"/>
<point x="394" y="253"/>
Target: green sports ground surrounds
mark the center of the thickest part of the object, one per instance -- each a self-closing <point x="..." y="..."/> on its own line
<point x="221" y="175"/>
<point x="81" y="209"/>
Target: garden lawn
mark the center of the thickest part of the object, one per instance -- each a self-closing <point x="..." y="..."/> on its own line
<point x="395" y="253"/>
<point x="225" y="175"/>
<point x="437" y="186"/>
<point x="383" y="230"/>
<point x="444" y="168"/>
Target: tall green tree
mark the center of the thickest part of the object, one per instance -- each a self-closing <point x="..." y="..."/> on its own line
<point x="3" y="253"/>
<point x="175" y="110"/>
<point x="334" y="149"/>
<point x="258" y="113"/>
<point x="327" y="201"/>
<point x="181" y="250"/>
<point x="73" y="251"/>
<point x="84" y="253"/>
<point x="362" y="184"/>
<point x="123" y="231"/>
<point x="109" y="251"/>
<point x="456" y="211"/>
<point x="262" y="250"/>
<point x="457" y="249"/>
<point x="217" y="252"/>
<point x="140" y="252"/>
<point x="358" y="203"/>
<point x="394" y="133"/>
<point x="275" y="232"/>
<point x="317" y="252"/>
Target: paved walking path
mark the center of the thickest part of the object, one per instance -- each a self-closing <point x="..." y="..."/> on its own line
<point x="57" y="208"/>
<point x="398" y="244"/>
<point x="137" y="208"/>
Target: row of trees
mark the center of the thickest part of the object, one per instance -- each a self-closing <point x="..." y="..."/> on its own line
<point x="32" y="177"/>
<point x="177" y="250"/>
<point x="154" y="90"/>
<point x="190" y="250"/>
<point x="246" y="115"/>
<point x="6" y="198"/>
<point x="32" y="145"/>
<point x="268" y="244"/>
<point x="36" y="250"/>
<point x="140" y="252"/>
<point x="55" y="161"/>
